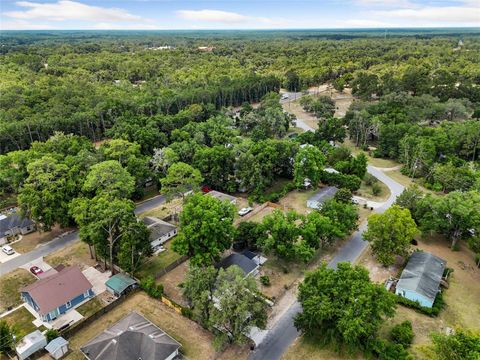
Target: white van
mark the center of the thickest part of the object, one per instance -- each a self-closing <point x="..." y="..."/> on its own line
<point x="8" y="250"/>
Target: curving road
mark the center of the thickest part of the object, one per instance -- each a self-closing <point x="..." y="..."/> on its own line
<point x="283" y="333"/>
<point x="62" y="241"/>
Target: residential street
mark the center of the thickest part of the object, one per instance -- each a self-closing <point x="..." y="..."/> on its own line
<point x="283" y="333"/>
<point x="62" y="241"/>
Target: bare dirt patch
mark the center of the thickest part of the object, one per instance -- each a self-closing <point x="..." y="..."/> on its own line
<point x="297" y="200"/>
<point x="172" y="207"/>
<point x="258" y="217"/>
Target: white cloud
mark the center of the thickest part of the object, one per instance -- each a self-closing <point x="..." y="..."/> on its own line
<point x="212" y="16"/>
<point x="64" y="10"/>
<point x="363" y="23"/>
<point x="440" y="15"/>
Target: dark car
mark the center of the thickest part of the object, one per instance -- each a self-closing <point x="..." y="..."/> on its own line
<point x="35" y="270"/>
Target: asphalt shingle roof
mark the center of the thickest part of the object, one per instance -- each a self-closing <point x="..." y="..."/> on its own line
<point x="55" y="290"/>
<point x="132" y="338"/>
<point x="240" y="260"/>
<point x="13" y="221"/>
<point x="423" y="274"/>
<point x="324" y="194"/>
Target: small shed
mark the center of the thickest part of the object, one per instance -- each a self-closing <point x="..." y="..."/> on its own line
<point x="57" y="348"/>
<point x="30" y="344"/>
<point x="120" y="284"/>
<point x="316" y="200"/>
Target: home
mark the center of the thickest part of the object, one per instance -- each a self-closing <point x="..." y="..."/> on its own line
<point x="56" y="294"/>
<point x="13" y="225"/>
<point x="160" y="231"/>
<point x="420" y="280"/>
<point x="30" y="344"/>
<point x="222" y="196"/>
<point x="248" y="266"/>
<point x="120" y="284"/>
<point x="318" y="199"/>
<point x="257" y="258"/>
<point x="57" y="348"/>
<point x="133" y="337"/>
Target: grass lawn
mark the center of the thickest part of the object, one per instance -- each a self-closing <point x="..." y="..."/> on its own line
<point x="306" y="348"/>
<point x="196" y="341"/>
<point x="258" y="217"/>
<point x="297" y="200"/>
<point x="165" y="209"/>
<point x="365" y="191"/>
<point x="158" y="262"/>
<point x="31" y="241"/>
<point x="90" y="307"/>
<point x="76" y="254"/>
<point x="10" y="285"/>
<point x="21" y="319"/>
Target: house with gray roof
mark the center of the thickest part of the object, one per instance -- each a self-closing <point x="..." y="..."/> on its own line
<point x="317" y="200"/>
<point x="160" y="231"/>
<point x="222" y="196"/>
<point x="132" y="338"/>
<point x="13" y="225"/>
<point x="420" y="280"/>
<point x="248" y="266"/>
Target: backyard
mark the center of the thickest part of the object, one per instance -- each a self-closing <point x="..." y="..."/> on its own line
<point x="21" y="320"/>
<point x="196" y="341"/>
<point x="158" y="262"/>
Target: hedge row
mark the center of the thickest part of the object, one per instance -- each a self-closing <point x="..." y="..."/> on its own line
<point x="438" y="305"/>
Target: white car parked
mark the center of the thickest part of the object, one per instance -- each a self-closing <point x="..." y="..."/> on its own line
<point x="8" y="250"/>
<point x="285" y="96"/>
<point x="244" y="211"/>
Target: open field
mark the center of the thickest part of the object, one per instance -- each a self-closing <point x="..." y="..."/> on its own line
<point x="10" y="285"/>
<point x="76" y="254"/>
<point x="31" y="241"/>
<point x="22" y="320"/>
<point x="196" y="341"/>
<point x="158" y="262"/>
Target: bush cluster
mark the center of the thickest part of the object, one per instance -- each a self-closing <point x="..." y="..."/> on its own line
<point x="153" y="289"/>
<point x="350" y="182"/>
<point x="438" y="305"/>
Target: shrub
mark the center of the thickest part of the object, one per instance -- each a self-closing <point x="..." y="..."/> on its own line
<point x="402" y="334"/>
<point x="386" y="350"/>
<point x="376" y="189"/>
<point x="370" y="179"/>
<point x="153" y="289"/>
<point x="343" y="195"/>
<point x="51" y="334"/>
<point x="187" y="312"/>
<point x="265" y="280"/>
<point x="438" y="305"/>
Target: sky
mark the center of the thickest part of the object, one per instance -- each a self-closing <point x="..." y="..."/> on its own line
<point x="235" y="14"/>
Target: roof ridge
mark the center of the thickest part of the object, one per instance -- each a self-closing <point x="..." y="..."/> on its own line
<point x="47" y="279"/>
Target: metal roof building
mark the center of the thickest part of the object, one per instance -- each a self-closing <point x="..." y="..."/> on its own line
<point x="120" y="283"/>
<point x="420" y="280"/>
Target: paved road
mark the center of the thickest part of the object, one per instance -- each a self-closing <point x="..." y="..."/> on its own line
<point x="61" y="242"/>
<point x="284" y="333"/>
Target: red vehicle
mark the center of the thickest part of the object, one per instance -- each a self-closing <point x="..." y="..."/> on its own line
<point x="35" y="270"/>
<point x="206" y="189"/>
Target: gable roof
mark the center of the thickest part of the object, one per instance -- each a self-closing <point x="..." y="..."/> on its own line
<point x="324" y="194"/>
<point x="157" y="227"/>
<point x="120" y="282"/>
<point x="13" y="221"/>
<point x="133" y="337"/>
<point x="56" y="344"/>
<point x="240" y="260"/>
<point x="53" y="291"/>
<point x="423" y="274"/>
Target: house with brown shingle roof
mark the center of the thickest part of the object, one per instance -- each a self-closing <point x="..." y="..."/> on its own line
<point x="58" y="293"/>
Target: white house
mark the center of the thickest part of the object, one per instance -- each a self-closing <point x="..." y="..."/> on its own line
<point x="160" y="231"/>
